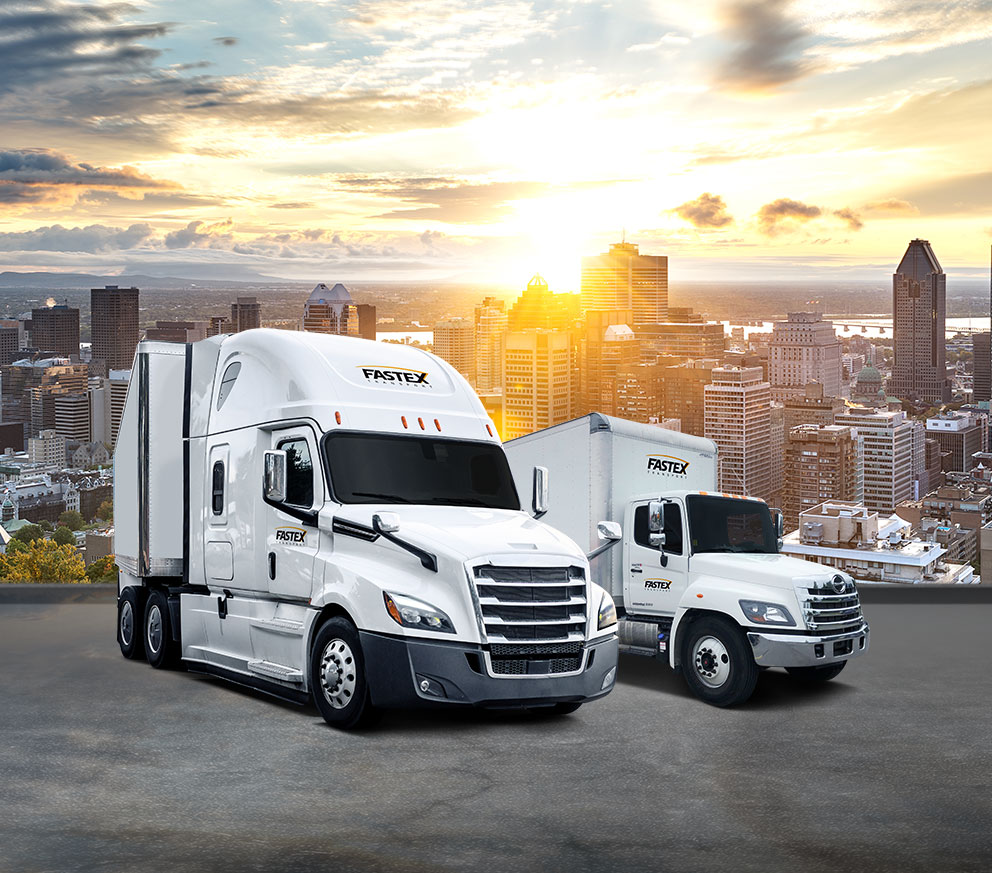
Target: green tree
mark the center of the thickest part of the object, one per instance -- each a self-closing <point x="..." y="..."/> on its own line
<point x="102" y="570"/>
<point x="71" y="519"/>
<point x="42" y="561"/>
<point x="29" y="532"/>
<point x="105" y="511"/>
<point x="64" y="537"/>
<point x="46" y="525"/>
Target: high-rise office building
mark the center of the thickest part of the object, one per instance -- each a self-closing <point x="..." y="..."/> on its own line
<point x="454" y="340"/>
<point x="918" y="310"/>
<point x="246" y="314"/>
<point x="47" y="448"/>
<point x="639" y="393"/>
<point x="982" y="348"/>
<point x="490" y="331"/>
<point x="959" y="436"/>
<point x="683" y="390"/>
<point x="9" y="345"/>
<point x="72" y="416"/>
<point x="607" y="347"/>
<point x="113" y="327"/>
<point x="218" y="325"/>
<point x="813" y="406"/>
<point x="538" y="381"/>
<point x="539" y="307"/>
<point x="804" y="349"/>
<point x="623" y="278"/>
<point x="330" y="310"/>
<point x="55" y="330"/>
<point x="737" y="412"/>
<point x="366" y="321"/>
<point x="822" y="462"/>
<point x="889" y="448"/>
<point x="178" y="331"/>
<point x="691" y="340"/>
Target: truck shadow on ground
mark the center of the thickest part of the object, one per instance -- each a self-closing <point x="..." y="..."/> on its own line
<point x="776" y="689"/>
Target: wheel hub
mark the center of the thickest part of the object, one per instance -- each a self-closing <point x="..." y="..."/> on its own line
<point x="712" y="661"/>
<point x="127" y="623"/>
<point x="337" y="674"/>
<point x="154" y="629"/>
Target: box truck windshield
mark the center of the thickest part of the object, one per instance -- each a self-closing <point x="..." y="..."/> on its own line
<point x="386" y="468"/>
<point x="720" y="524"/>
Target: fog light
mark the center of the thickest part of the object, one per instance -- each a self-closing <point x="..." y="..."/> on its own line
<point x="430" y="687"/>
<point x="818" y="650"/>
<point x="611" y="674"/>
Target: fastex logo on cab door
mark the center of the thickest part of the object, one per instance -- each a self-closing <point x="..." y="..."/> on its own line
<point x="667" y="464"/>
<point x="394" y="376"/>
<point x="291" y="536"/>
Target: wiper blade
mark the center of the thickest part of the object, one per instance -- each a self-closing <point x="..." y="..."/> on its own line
<point x="391" y="498"/>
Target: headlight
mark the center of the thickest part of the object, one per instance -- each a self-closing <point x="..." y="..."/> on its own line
<point x="410" y="612"/>
<point x="766" y="613"/>
<point x="607" y="611"/>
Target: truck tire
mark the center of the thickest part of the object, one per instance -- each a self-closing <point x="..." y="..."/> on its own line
<point x="160" y="649"/>
<point x="817" y="674"/>
<point x="130" y="621"/>
<point x="337" y="676"/>
<point x="717" y="662"/>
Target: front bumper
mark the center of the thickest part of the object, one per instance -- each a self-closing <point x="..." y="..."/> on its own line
<point x="787" y="650"/>
<point x="457" y="673"/>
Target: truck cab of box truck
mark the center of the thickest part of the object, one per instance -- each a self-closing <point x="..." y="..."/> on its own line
<point x="698" y="578"/>
<point x="335" y="518"/>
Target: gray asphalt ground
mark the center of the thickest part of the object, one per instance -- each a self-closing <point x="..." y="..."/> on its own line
<point x="108" y="765"/>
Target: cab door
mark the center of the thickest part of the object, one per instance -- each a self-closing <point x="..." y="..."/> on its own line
<point x="291" y="537"/>
<point x="650" y="587"/>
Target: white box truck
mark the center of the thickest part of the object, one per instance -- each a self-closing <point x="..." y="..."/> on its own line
<point x="329" y="517"/>
<point x="698" y="578"/>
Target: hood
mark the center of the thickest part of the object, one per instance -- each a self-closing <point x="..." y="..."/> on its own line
<point x="468" y="533"/>
<point x="776" y="571"/>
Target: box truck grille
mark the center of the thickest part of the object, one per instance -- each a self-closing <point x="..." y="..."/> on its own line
<point x="828" y="612"/>
<point x="532" y="604"/>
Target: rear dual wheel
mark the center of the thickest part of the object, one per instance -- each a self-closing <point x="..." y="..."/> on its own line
<point x="160" y="647"/>
<point x="130" y="620"/>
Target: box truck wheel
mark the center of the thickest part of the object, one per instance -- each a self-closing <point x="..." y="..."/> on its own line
<point x="817" y="674"/>
<point x="130" y="613"/>
<point x="337" y="676"/>
<point x="717" y="663"/>
<point x="160" y="649"/>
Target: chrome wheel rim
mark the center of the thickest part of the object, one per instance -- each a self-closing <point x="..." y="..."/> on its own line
<point x="338" y="675"/>
<point x="154" y="629"/>
<point x="712" y="661"/>
<point x="127" y="623"/>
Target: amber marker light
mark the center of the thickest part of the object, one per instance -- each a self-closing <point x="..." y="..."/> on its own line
<point x="437" y="424"/>
<point x="420" y="421"/>
<point x="394" y="613"/>
<point x="489" y="429"/>
<point x="337" y="417"/>
<point x="403" y="419"/>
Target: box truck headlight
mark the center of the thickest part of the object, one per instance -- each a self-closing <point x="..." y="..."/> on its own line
<point x="410" y="612"/>
<point x="766" y="613"/>
<point x="607" y="611"/>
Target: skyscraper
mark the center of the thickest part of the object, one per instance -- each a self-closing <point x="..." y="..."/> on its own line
<point x="454" y="340"/>
<point x="490" y="332"/>
<point x="737" y="410"/>
<point x="821" y="463"/>
<point x="55" y="330"/>
<point x="113" y="327"/>
<point x="246" y="314"/>
<point x="539" y="386"/>
<point x="803" y="349"/>
<point x="608" y="346"/>
<point x="889" y="448"/>
<point x="330" y="310"/>
<point x="539" y="307"/>
<point x="918" y="311"/>
<point x="683" y="390"/>
<point x="982" y="347"/>
<point x="622" y="278"/>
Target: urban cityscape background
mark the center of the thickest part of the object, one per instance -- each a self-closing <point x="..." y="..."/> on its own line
<point x="871" y="431"/>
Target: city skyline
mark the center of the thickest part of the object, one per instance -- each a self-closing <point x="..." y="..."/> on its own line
<point x="742" y="140"/>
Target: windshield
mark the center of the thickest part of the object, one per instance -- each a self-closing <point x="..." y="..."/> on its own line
<point x="723" y="524"/>
<point x="382" y="468"/>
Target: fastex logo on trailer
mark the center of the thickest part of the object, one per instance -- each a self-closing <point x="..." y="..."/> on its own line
<point x="291" y="536"/>
<point x="394" y="376"/>
<point x="667" y="464"/>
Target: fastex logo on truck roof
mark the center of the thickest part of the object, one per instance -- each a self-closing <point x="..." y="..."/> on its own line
<point x="667" y="464"/>
<point x="379" y="375"/>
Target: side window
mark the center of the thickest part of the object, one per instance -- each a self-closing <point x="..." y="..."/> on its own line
<point x="673" y="528"/>
<point x="299" y="472"/>
<point x="217" y="488"/>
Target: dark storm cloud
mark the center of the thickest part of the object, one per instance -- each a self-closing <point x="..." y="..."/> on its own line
<point x="93" y="238"/>
<point x="43" y="167"/>
<point x="707" y="210"/>
<point x="780" y="214"/>
<point x="850" y="218"/>
<point x="768" y="46"/>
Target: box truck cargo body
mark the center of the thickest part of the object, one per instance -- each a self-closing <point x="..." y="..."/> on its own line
<point x="334" y="518"/>
<point x="698" y="579"/>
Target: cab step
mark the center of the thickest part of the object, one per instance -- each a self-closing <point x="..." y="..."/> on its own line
<point x="275" y="671"/>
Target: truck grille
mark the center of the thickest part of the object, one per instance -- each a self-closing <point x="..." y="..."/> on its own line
<point x="523" y="605"/>
<point x="827" y="611"/>
<point x="523" y="660"/>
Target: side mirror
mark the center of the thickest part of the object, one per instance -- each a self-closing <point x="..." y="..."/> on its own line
<point x="274" y="476"/>
<point x="609" y="530"/>
<point x="779" y="518"/>
<point x="386" y="522"/>
<point x="656" y="516"/>
<point x="539" y="501"/>
<point x="657" y="539"/>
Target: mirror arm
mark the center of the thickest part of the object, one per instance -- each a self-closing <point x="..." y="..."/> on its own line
<point x="427" y="559"/>
<point x="609" y="544"/>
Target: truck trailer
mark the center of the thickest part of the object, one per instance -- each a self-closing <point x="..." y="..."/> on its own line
<point x="698" y="579"/>
<point x="330" y="518"/>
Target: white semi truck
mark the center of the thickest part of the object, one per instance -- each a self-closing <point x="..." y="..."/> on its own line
<point x="329" y="517"/>
<point x="698" y="579"/>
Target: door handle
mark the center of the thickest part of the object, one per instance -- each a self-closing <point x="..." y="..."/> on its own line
<point x="636" y="570"/>
<point x="272" y="565"/>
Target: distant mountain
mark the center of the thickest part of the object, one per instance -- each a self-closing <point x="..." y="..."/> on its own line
<point x="55" y="281"/>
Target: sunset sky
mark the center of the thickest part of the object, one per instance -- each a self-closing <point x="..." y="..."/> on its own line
<point x="484" y="141"/>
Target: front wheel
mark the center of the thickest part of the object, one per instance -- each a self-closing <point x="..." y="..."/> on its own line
<point x="817" y="674"/>
<point x="717" y="663"/>
<point x="337" y="676"/>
